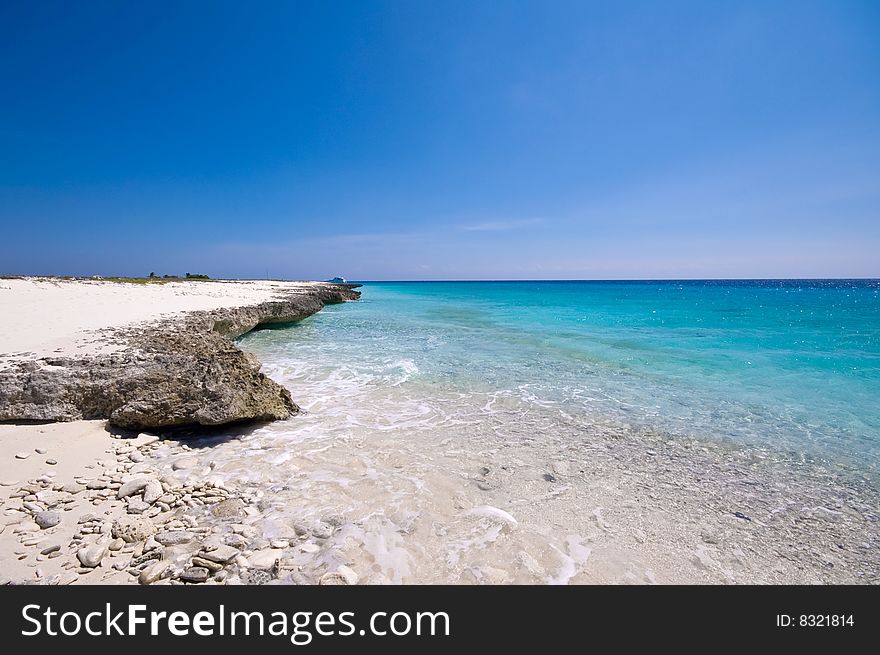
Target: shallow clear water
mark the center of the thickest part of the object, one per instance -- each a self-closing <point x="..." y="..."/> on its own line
<point x="793" y="365"/>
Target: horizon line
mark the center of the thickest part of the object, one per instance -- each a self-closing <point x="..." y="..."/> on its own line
<point x="640" y="279"/>
<point x="364" y="280"/>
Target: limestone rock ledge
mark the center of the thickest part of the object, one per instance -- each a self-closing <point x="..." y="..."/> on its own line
<point x="174" y="373"/>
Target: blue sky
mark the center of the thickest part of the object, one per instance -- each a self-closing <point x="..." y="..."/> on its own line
<point x="445" y="140"/>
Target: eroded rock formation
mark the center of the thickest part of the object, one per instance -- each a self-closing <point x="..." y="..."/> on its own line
<point x="179" y="372"/>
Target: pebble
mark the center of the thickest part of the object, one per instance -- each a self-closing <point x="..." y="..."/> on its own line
<point x="260" y="543"/>
<point x="235" y="540"/>
<point x="51" y="462"/>
<point x="47" y="519"/>
<point x="341" y="576"/>
<point x="22" y="455"/>
<point x="133" y="528"/>
<point x="153" y="491"/>
<point x="183" y="464"/>
<point x="322" y="530"/>
<point x="246" y="531"/>
<point x="153" y="572"/>
<point x="279" y="543"/>
<point x="309" y="548"/>
<point x="265" y="559"/>
<point x="137" y="506"/>
<point x="40" y="451"/>
<point x="221" y="554"/>
<point x="73" y="488"/>
<point x="117" y="544"/>
<point x="136" y="457"/>
<point x="146" y="557"/>
<point x="174" y="537"/>
<point x="194" y="574"/>
<point x="50" y="549"/>
<point x="228" y="508"/>
<point x="257" y="577"/>
<point x="132" y="487"/>
<point x="207" y="564"/>
<point x="336" y="520"/>
<point x="91" y="556"/>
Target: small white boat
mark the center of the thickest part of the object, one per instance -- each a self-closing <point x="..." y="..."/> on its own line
<point x="337" y="280"/>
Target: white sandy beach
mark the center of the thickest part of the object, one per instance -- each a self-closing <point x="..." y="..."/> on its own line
<point x="71" y="472"/>
<point x="45" y="317"/>
<point x="62" y="452"/>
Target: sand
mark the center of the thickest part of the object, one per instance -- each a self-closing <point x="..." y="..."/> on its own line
<point x="53" y="317"/>
<point x="75" y="448"/>
<point x="46" y="317"/>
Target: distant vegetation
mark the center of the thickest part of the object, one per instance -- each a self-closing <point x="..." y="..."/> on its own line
<point x="134" y="280"/>
<point x="152" y="278"/>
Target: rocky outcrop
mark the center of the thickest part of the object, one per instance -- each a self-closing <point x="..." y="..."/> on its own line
<point x="175" y="373"/>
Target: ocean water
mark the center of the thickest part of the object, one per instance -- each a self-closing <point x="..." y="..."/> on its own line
<point x="572" y="432"/>
<point x="791" y="366"/>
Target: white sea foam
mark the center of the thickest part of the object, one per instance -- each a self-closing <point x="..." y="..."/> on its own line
<point x="576" y="556"/>
<point x="487" y="510"/>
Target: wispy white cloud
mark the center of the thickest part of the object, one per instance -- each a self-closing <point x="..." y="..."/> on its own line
<point x="500" y="226"/>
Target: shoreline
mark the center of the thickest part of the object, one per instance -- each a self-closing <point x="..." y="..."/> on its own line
<point x="625" y="508"/>
<point x="81" y="500"/>
<point x="98" y="508"/>
<point x="293" y="502"/>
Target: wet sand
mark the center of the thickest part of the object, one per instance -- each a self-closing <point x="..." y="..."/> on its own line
<point x="614" y="508"/>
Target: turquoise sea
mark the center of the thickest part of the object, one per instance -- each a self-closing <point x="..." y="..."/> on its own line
<point x="789" y="365"/>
